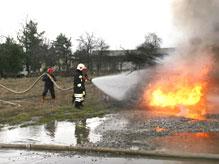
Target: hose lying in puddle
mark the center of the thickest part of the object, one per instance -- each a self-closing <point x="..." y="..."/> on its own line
<point x="29" y="88"/>
<point x="114" y="151"/>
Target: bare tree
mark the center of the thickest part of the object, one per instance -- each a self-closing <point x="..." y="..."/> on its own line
<point x="145" y="53"/>
<point x="88" y="43"/>
<point x="101" y="54"/>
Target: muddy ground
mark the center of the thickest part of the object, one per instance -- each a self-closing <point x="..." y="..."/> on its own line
<point x="36" y="157"/>
<point x="132" y="129"/>
<point x="145" y="130"/>
<point x="125" y="127"/>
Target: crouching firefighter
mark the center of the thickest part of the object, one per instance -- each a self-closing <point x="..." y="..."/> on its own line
<point x="48" y="84"/>
<point x="79" y="86"/>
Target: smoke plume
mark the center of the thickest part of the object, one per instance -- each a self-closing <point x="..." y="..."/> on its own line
<point x="195" y="55"/>
<point x="193" y="58"/>
<point x="197" y="20"/>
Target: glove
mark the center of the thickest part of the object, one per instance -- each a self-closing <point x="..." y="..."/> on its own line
<point x="79" y="85"/>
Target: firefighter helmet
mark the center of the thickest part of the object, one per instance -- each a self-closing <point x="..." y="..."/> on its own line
<point x="81" y="67"/>
<point x="50" y="70"/>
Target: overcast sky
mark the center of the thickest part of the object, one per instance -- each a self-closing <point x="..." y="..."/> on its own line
<point x="121" y="23"/>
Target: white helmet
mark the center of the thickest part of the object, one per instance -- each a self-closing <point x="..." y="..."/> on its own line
<point x="81" y="67"/>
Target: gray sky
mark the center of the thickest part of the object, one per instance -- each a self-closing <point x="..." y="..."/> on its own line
<point x="121" y="23"/>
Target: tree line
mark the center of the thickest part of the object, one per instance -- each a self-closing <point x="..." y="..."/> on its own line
<point x="33" y="52"/>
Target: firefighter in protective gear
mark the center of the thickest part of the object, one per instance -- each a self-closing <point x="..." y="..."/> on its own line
<point x="48" y="84"/>
<point x="79" y="86"/>
<point x="85" y="78"/>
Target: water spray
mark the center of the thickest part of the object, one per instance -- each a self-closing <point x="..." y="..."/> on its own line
<point x="118" y="86"/>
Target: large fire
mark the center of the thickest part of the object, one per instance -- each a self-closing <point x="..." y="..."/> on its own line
<point x="179" y="92"/>
<point x="182" y="94"/>
<point x="177" y="96"/>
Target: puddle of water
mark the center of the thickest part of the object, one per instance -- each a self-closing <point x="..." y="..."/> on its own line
<point x="201" y="142"/>
<point x="92" y="124"/>
<point x="63" y="133"/>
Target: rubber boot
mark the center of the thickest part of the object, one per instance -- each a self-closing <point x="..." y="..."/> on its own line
<point x="73" y="99"/>
<point x="77" y="105"/>
<point x="43" y="98"/>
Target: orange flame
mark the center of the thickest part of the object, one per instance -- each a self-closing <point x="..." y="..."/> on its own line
<point x="180" y="96"/>
<point x="159" y="129"/>
<point x="180" y="85"/>
<point x="202" y="135"/>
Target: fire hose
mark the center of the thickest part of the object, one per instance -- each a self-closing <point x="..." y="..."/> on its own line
<point x="10" y="103"/>
<point x="57" y="86"/>
<point x="116" y="151"/>
<point x="30" y="87"/>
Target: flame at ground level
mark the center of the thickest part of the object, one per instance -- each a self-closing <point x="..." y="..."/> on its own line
<point x="177" y="96"/>
<point x="182" y="96"/>
<point x="180" y="84"/>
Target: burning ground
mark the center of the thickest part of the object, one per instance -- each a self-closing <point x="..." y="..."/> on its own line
<point x="177" y="107"/>
<point x="184" y="80"/>
<point x="181" y="85"/>
<point x="179" y="99"/>
<point x="146" y="130"/>
<point x="131" y="128"/>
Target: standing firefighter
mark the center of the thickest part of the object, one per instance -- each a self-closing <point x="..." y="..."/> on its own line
<point x="84" y="79"/>
<point x="79" y="85"/>
<point x="48" y="84"/>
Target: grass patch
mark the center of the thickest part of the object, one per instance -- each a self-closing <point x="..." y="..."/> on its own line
<point x="21" y="117"/>
<point x="72" y="114"/>
<point x="35" y="111"/>
<point x="60" y="114"/>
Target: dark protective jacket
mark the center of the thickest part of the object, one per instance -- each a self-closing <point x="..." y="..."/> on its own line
<point x="48" y="82"/>
<point x="78" y="82"/>
<point x="84" y="79"/>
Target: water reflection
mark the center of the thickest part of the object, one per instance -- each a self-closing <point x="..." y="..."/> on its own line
<point x="51" y="128"/>
<point x="201" y="142"/>
<point x="64" y="133"/>
<point x="81" y="132"/>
